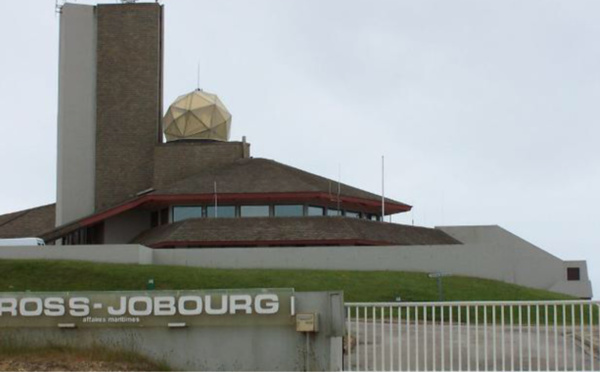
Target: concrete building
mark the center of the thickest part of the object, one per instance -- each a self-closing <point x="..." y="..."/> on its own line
<point x="127" y="174"/>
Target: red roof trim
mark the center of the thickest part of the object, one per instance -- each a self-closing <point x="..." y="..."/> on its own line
<point x="267" y="243"/>
<point x="390" y="207"/>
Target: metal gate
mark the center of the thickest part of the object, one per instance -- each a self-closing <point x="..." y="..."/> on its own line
<point x="473" y="336"/>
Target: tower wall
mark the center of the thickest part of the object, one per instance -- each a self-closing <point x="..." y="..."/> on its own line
<point x="175" y="161"/>
<point x="129" y="94"/>
<point x="76" y="113"/>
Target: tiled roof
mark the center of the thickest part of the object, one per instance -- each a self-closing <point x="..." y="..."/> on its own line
<point x="27" y="223"/>
<point x="256" y="175"/>
<point x="289" y="231"/>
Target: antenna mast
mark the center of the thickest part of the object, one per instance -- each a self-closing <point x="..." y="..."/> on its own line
<point x="382" y="188"/>
<point x="198" y="77"/>
<point x="58" y="4"/>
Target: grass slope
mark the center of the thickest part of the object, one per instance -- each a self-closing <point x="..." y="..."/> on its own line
<point x="38" y="275"/>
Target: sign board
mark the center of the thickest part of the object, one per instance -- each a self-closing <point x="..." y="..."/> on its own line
<point x="147" y="309"/>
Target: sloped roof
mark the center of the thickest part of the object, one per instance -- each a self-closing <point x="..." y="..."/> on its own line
<point x="289" y="231"/>
<point x="257" y="175"/>
<point x="27" y="223"/>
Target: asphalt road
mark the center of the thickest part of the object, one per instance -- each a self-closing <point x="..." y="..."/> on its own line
<point x="429" y="346"/>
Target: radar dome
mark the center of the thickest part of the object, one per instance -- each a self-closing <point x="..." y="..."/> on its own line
<point x="197" y="115"/>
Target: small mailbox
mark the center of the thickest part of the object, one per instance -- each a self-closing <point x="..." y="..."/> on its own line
<point x="307" y="322"/>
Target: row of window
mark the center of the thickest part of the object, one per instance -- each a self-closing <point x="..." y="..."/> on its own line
<point x="181" y="213"/>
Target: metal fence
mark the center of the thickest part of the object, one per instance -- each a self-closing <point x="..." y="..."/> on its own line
<point x="473" y="336"/>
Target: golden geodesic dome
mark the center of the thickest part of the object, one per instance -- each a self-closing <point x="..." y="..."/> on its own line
<point x="197" y="115"/>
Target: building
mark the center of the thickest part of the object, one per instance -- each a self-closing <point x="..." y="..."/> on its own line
<point x="127" y="174"/>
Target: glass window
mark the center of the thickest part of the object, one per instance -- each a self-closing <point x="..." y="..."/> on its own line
<point x="573" y="273"/>
<point x="254" y="211"/>
<point x="333" y="212"/>
<point x="223" y="211"/>
<point x="289" y="210"/>
<point x="352" y="214"/>
<point x="315" y="211"/>
<point x="184" y="213"/>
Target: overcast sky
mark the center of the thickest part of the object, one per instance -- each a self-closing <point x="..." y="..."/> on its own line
<point x="487" y="112"/>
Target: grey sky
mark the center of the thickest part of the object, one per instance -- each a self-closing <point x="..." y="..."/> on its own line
<point x="487" y="111"/>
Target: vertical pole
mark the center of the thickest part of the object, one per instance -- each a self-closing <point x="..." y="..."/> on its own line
<point x="433" y="326"/>
<point x="216" y="213"/>
<point x="451" y="334"/>
<point x="416" y="338"/>
<point x="494" y="337"/>
<point x="382" y="340"/>
<point x="339" y="189"/>
<point x="591" y="320"/>
<point x="459" y="331"/>
<point x="358" y="338"/>
<point x="442" y="338"/>
<point x="374" y="330"/>
<point x="503" y="337"/>
<point x="198" y="77"/>
<point x="425" y="337"/>
<point x="547" y="338"/>
<point x="408" y="367"/>
<point x="391" y="329"/>
<point x="485" y="337"/>
<point x="382" y="188"/>
<point x="529" y="338"/>
<point x="581" y="336"/>
<point x="468" y="337"/>
<point x="366" y="355"/>
<point x="399" y="338"/>
<point x="348" y="365"/>
<point x="574" y="359"/>
<point x="477" y="366"/>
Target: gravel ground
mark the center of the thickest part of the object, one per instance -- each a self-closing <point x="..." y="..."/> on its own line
<point x="67" y="361"/>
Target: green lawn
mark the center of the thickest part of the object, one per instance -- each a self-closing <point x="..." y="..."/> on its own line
<point x="359" y="286"/>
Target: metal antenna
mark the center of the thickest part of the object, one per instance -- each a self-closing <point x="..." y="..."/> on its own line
<point x="58" y="4"/>
<point x="216" y="205"/>
<point x="339" y="212"/>
<point x="382" y="188"/>
<point x="198" y="77"/>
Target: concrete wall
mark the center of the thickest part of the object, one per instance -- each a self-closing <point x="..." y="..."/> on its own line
<point x="76" y="113"/>
<point x="489" y="252"/>
<point x="124" y="227"/>
<point x="126" y="254"/>
<point x="250" y="348"/>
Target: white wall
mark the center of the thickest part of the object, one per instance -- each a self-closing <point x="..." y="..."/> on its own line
<point x="126" y="254"/>
<point x="76" y="114"/>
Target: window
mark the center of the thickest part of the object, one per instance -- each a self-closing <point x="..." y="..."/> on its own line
<point x="225" y="211"/>
<point x="254" y="211"/>
<point x="573" y="273"/>
<point x="164" y="215"/>
<point x="333" y="212"/>
<point x="289" y="211"/>
<point x="315" y="211"/>
<point x="184" y="213"/>
<point x="352" y="214"/>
